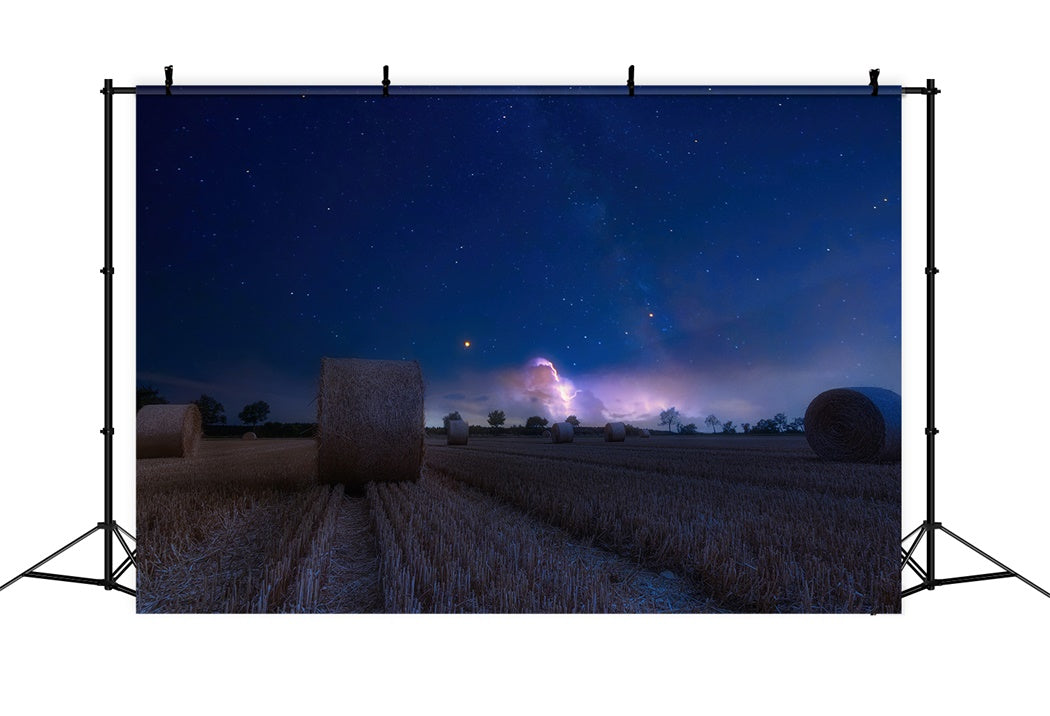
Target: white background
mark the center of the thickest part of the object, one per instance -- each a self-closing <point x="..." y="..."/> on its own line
<point x="973" y="648"/>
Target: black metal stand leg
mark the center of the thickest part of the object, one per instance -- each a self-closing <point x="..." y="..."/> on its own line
<point x="929" y="581"/>
<point x="31" y="572"/>
<point x="108" y="526"/>
<point x="928" y="529"/>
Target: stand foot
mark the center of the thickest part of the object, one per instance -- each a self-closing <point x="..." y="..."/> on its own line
<point x="109" y="582"/>
<point x="929" y="581"/>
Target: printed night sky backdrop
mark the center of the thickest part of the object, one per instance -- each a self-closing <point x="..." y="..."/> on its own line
<point x="602" y="256"/>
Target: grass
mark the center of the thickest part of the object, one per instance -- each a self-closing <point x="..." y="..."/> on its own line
<point x="520" y="525"/>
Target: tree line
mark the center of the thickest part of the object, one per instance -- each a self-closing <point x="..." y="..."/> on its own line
<point x="212" y="411"/>
<point x="776" y="425"/>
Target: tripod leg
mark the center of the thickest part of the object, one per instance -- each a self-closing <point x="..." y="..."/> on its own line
<point x="47" y="559"/>
<point x="127" y="550"/>
<point x="126" y="533"/>
<point x="905" y="537"/>
<point x="921" y="529"/>
<point x="994" y="561"/>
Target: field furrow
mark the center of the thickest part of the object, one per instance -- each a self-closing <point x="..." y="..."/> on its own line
<point x="754" y="547"/>
<point x="445" y="547"/>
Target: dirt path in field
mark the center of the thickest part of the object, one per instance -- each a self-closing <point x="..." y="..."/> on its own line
<point x="641" y="590"/>
<point x="352" y="582"/>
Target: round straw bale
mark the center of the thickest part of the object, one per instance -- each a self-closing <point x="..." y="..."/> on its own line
<point x="458" y="430"/>
<point x="855" y="425"/>
<point x="643" y="433"/>
<point x="168" y="431"/>
<point x="369" y="421"/>
<point x="561" y="433"/>
<point x="249" y="436"/>
<point x="615" y="432"/>
<point x="546" y="433"/>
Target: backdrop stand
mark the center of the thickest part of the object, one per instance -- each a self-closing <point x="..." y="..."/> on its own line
<point x="110" y="529"/>
<point x="928" y="529"/>
<point x="931" y="526"/>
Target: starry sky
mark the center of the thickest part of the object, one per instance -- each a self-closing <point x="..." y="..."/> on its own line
<point x="602" y="256"/>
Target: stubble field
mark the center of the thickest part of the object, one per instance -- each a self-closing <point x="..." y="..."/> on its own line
<point x="515" y="524"/>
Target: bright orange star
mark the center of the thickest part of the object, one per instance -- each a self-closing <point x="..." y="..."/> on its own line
<point x="466" y="344"/>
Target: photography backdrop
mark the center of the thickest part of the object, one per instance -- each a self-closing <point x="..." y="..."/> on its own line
<point x="653" y="661"/>
<point x="725" y="253"/>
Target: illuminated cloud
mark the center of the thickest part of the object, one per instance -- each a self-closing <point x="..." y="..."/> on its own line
<point x="638" y="394"/>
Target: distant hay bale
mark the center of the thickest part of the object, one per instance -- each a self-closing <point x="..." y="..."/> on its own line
<point x="855" y="425"/>
<point x="643" y="433"/>
<point x="369" y="421"/>
<point x="458" y="430"/>
<point x="249" y="436"/>
<point x="167" y="431"/>
<point x="546" y="433"/>
<point x="615" y="432"/>
<point x="561" y="433"/>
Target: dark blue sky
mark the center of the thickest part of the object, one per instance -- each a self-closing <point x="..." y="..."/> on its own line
<point x="725" y="254"/>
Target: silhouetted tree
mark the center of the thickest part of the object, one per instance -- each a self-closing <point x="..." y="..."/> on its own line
<point x="254" y="413"/>
<point x="798" y="425"/>
<point x="781" y="421"/>
<point x="712" y="422"/>
<point x="454" y="415"/>
<point x="497" y="418"/>
<point x="148" y="395"/>
<point x="746" y="427"/>
<point x="669" y="417"/>
<point x="689" y="429"/>
<point x="573" y="420"/>
<point x="728" y="427"/>
<point x="536" y="421"/>
<point x="212" y="412"/>
<point x="765" y="426"/>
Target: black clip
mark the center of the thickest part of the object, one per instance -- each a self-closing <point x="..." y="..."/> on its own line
<point x="630" y="80"/>
<point x="168" y="70"/>
<point x="107" y="431"/>
<point x="873" y="82"/>
<point x="932" y="271"/>
<point x="932" y="431"/>
<point x="386" y="80"/>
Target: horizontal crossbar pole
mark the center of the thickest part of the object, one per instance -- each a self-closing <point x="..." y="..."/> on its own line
<point x="974" y="578"/>
<point x="913" y="590"/>
<point x="65" y="578"/>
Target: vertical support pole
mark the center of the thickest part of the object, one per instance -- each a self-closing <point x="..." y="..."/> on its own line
<point x="931" y="271"/>
<point x="107" y="271"/>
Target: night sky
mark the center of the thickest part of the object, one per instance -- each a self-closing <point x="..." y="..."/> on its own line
<point x="604" y="256"/>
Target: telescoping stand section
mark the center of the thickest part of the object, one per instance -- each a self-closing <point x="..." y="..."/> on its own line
<point x="113" y="531"/>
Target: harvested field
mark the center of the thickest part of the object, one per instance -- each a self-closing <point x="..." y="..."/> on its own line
<point x="518" y="524"/>
<point x="759" y="524"/>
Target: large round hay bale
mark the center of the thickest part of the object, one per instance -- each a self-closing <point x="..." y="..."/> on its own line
<point x="561" y="433"/>
<point x="546" y="433"/>
<point x="458" y="430"/>
<point x="369" y="421"/>
<point x="249" y="436"/>
<point x="855" y="425"/>
<point x="167" y="431"/>
<point x="643" y="433"/>
<point x="615" y="432"/>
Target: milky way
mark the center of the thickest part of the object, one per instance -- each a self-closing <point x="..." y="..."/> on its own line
<point x="726" y="254"/>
